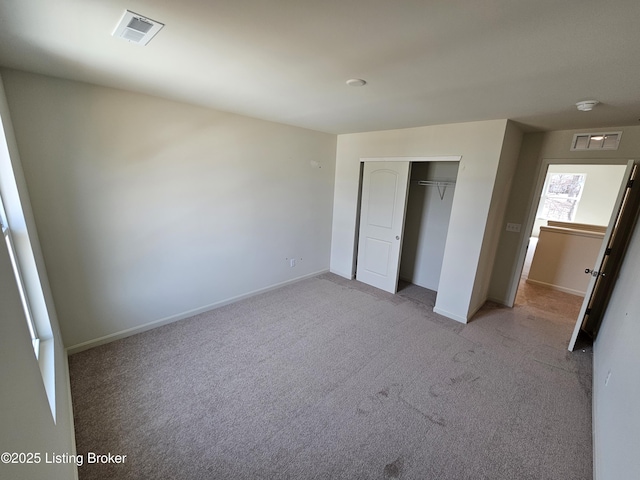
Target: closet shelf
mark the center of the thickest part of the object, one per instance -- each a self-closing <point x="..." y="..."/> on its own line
<point x="441" y="184"/>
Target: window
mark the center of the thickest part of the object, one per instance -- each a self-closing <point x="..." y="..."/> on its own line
<point x="561" y="196"/>
<point x="16" y="233"/>
<point x="19" y="281"/>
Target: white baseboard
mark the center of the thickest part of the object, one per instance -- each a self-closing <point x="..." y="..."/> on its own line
<point x="181" y="316"/>
<point x="557" y="287"/>
<point x="348" y="276"/>
<point x="476" y="309"/>
<point x="460" y="318"/>
<point x="413" y="282"/>
<point x="499" y="301"/>
<point x="450" y="315"/>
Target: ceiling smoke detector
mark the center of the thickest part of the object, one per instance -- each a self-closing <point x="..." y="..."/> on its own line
<point x="136" y="29"/>
<point x="587" y="105"/>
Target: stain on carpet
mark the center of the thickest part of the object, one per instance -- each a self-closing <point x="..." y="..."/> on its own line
<point x="393" y="469"/>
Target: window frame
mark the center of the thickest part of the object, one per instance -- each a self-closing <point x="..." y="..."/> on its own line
<point x="546" y="195"/>
<point x="6" y="233"/>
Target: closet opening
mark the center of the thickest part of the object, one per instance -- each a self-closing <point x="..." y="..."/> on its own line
<point x="429" y="204"/>
<point x="404" y="211"/>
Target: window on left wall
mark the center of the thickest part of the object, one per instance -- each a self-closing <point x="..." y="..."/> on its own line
<point x="6" y="233"/>
<point x="18" y="231"/>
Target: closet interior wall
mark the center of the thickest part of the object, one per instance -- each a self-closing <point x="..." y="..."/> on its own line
<point x="427" y="223"/>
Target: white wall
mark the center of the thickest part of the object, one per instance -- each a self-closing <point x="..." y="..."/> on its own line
<point x="149" y="210"/>
<point x="598" y="194"/>
<point x="426" y="224"/>
<point x="561" y="257"/>
<point x="616" y="398"/>
<point x="27" y="422"/>
<point x="480" y="145"/>
<point x="495" y="220"/>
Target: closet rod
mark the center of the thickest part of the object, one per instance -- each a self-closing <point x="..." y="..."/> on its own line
<point x="441" y="184"/>
<point x="436" y="183"/>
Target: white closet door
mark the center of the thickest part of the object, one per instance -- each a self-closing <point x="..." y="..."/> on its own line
<point x="384" y="199"/>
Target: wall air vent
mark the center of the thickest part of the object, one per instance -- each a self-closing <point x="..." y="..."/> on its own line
<point x="136" y="29"/>
<point x="596" y="141"/>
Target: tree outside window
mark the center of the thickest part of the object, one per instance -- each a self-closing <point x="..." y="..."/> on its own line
<point x="561" y="196"/>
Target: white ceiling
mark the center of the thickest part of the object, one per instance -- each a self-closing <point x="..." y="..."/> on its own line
<point x="426" y="61"/>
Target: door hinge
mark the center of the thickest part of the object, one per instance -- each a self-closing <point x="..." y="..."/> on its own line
<point x="607" y="251"/>
<point x="587" y="311"/>
<point x="630" y="183"/>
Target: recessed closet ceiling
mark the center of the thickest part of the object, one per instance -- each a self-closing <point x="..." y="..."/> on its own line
<point x="425" y="61"/>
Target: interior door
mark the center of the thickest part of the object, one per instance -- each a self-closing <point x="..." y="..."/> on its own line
<point x="384" y="199"/>
<point x="609" y="258"/>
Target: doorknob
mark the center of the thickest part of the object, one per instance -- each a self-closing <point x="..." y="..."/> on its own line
<point x="594" y="273"/>
<point x="397" y="237"/>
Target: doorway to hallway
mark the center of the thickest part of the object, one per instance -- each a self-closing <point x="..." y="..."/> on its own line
<point x="570" y="220"/>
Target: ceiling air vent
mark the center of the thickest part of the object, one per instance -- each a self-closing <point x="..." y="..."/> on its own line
<point x="596" y="141"/>
<point x="137" y="29"/>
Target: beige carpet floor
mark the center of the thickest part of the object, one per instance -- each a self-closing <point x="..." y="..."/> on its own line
<point x="332" y="379"/>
